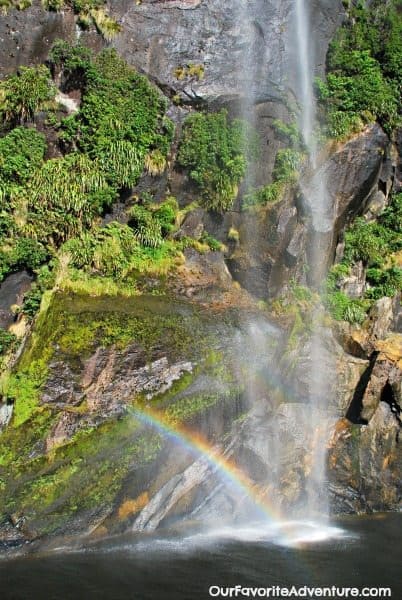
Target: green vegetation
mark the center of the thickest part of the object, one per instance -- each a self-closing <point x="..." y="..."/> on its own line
<point x="7" y="341"/>
<point x="121" y="123"/>
<point x="64" y="196"/>
<point x="24" y="389"/>
<point x="190" y="72"/>
<point x="288" y="162"/>
<point x="364" y="70"/>
<point x="50" y="209"/>
<point x="90" y="12"/>
<point x="267" y="194"/>
<point x="377" y="244"/>
<point x="287" y="165"/>
<point x="26" y="92"/>
<point x="213" y="151"/>
<point x="212" y="243"/>
<point x="288" y="132"/>
<point x="21" y="153"/>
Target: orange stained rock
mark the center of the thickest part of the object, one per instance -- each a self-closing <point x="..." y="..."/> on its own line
<point x="131" y="507"/>
<point x="391" y="348"/>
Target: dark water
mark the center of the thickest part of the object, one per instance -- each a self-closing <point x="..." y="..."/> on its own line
<point x="173" y="569"/>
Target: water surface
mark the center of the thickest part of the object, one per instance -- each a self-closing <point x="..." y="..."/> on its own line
<point x="367" y="553"/>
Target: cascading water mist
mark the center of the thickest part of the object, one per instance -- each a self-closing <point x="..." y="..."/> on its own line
<point x="316" y="489"/>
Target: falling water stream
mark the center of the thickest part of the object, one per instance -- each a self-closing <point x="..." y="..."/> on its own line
<point x="306" y="520"/>
<point x="316" y="487"/>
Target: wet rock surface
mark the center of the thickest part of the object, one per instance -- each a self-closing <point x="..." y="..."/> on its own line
<point x="12" y="292"/>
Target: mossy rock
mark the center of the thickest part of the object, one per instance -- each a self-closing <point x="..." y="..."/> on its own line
<point x="58" y="487"/>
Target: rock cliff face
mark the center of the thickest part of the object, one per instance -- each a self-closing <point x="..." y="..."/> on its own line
<point x="90" y="460"/>
<point x="272" y="244"/>
<point x="160" y="35"/>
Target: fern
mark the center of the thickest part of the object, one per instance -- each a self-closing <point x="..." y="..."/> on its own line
<point x="147" y="229"/>
<point x="122" y="163"/>
<point x="155" y="163"/>
<point x="104" y="23"/>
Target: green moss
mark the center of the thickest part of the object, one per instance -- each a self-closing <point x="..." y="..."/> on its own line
<point x="187" y="407"/>
<point x="24" y="389"/>
<point x="83" y="474"/>
<point x="86" y="473"/>
<point x="17" y="445"/>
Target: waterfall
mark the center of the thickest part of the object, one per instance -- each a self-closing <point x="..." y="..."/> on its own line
<point x="310" y="418"/>
<point x="278" y="441"/>
<point x="305" y="76"/>
<point x="317" y="502"/>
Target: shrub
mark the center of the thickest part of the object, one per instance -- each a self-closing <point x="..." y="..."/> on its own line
<point x="373" y="243"/>
<point x="391" y="218"/>
<point x="146" y="227"/>
<point x="21" y="152"/>
<point x="121" y="120"/>
<point x="268" y="194"/>
<point x="213" y="151"/>
<point x="32" y="302"/>
<point x="64" y="196"/>
<point x="365" y="241"/>
<point x="384" y="282"/>
<point x="287" y="165"/>
<point x="28" y="253"/>
<point x="152" y="223"/>
<point x="70" y="58"/>
<point x="26" y="92"/>
<point x="364" y="64"/>
<point x="343" y="308"/>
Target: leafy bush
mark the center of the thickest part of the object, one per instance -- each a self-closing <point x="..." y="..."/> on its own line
<point x="373" y="243"/>
<point x="268" y="194"/>
<point x="21" y="152"/>
<point x="152" y="223"/>
<point x="365" y="241"/>
<point x="32" y="302"/>
<point x="71" y="58"/>
<point x="146" y="227"/>
<point x="28" y="253"/>
<point x="121" y="122"/>
<point x="287" y="165"/>
<point x="383" y="282"/>
<point x="26" y="92"/>
<point x="391" y="218"/>
<point x="64" y="196"/>
<point x="365" y="65"/>
<point x="213" y="151"/>
<point x="343" y="308"/>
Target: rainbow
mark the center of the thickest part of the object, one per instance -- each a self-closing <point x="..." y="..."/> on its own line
<point x="199" y="446"/>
